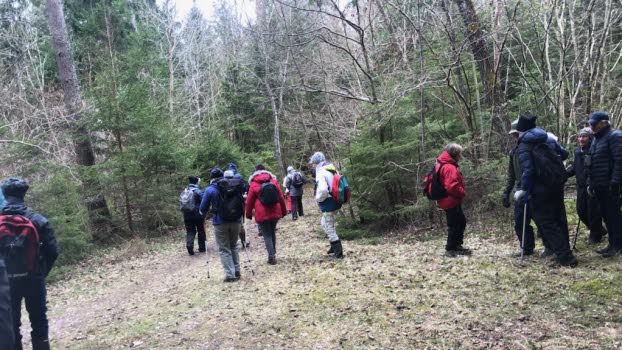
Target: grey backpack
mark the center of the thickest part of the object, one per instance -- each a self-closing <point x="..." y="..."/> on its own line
<point x="186" y="200"/>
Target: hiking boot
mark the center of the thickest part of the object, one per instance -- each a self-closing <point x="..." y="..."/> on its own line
<point x="190" y="250"/>
<point x="201" y="247"/>
<point x="337" y="249"/>
<point x="604" y="250"/>
<point x="611" y="253"/>
<point x="230" y="279"/>
<point x="568" y="262"/>
<point x="594" y="239"/>
<point x="463" y="251"/>
<point x="331" y="250"/>
<point x="40" y="344"/>
<point x="238" y="275"/>
<point x="271" y="261"/>
<point x="450" y="253"/>
<point x="517" y="254"/>
<point x="547" y="253"/>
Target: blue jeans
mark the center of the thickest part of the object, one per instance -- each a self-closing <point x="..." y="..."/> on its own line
<point x="32" y="290"/>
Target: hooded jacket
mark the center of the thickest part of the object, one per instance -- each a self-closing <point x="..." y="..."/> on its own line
<point x="49" y="248"/>
<point x="264" y="212"/>
<point x="289" y="184"/>
<point x="324" y="174"/>
<point x="526" y="142"/>
<point x="452" y="181"/>
<point x="606" y="154"/>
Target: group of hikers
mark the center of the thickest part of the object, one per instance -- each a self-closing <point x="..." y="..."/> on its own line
<point x="229" y="200"/>
<point x="537" y="175"/>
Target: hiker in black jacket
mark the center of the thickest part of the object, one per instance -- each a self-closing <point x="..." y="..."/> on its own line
<point x="547" y="204"/>
<point x="31" y="288"/>
<point x="605" y="177"/>
<point x="194" y="222"/>
<point x="588" y="208"/>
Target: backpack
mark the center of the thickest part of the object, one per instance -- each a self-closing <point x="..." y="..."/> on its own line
<point x="549" y="167"/>
<point x="298" y="181"/>
<point x="268" y="194"/>
<point x="432" y="186"/>
<point x="340" y="189"/>
<point x="19" y="245"/>
<point x="230" y="199"/>
<point x="186" y="200"/>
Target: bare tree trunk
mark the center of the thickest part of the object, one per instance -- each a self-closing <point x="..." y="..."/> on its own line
<point x="98" y="212"/>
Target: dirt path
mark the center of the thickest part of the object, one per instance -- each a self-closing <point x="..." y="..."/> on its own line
<point x="386" y="296"/>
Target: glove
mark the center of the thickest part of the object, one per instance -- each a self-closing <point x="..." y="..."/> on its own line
<point x="506" y="200"/>
<point x="287" y="190"/>
<point x="590" y="192"/>
<point x="519" y="195"/>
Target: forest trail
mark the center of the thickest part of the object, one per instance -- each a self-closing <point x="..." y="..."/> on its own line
<point x="387" y="295"/>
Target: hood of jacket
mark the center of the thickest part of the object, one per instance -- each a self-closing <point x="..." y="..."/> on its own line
<point x="14" y="206"/>
<point x="535" y="135"/>
<point x="261" y="176"/>
<point x="327" y="166"/>
<point x="233" y="168"/>
<point x="446" y="158"/>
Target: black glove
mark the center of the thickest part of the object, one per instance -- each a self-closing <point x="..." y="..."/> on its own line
<point x="506" y="200"/>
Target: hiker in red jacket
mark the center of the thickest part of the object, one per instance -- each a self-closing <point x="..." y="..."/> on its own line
<point x="266" y="199"/>
<point x="450" y="177"/>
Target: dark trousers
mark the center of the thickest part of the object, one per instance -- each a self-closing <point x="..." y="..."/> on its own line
<point x="610" y="206"/>
<point x="32" y="291"/>
<point x="519" y="213"/>
<point x="549" y="213"/>
<point x="296" y="206"/>
<point x="456" y="223"/>
<point x="589" y="213"/>
<point x="194" y="223"/>
<point x="7" y="335"/>
<point x="268" y="230"/>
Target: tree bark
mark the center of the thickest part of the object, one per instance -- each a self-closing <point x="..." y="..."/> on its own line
<point x="97" y="208"/>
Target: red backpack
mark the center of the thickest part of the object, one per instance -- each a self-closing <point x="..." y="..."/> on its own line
<point x="19" y="244"/>
<point x="340" y="189"/>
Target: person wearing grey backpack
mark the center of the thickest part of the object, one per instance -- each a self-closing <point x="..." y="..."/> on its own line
<point x="294" y="182"/>
<point x="189" y="202"/>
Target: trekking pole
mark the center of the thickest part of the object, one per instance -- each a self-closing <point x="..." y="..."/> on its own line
<point x="207" y="260"/>
<point x="522" y="242"/>
<point x="576" y="234"/>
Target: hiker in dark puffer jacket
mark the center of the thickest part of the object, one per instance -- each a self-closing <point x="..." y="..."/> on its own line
<point x="547" y="204"/>
<point x="266" y="215"/>
<point x="31" y="288"/>
<point x="451" y="179"/>
<point x="588" y="208"/>
<point x="605" y="177"/>
<point x="193" y="221"/>
<point x="295" y="193"/>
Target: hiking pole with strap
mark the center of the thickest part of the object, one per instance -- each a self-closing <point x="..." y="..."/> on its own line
<point x="522" y="242"/>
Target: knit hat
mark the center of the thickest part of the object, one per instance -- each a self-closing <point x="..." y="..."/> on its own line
<point x="526" y="122"/>
<point x="229" y="174"/>
<point x="597" y="117"/>
<point x="513" y="127"/>
<point x="259" y="166"/>
<point x="317" y="158"/>
<point x="233" y="167"/>
<point x="14" y="187"/>
<point x="215" y="173"/>
<point x="193" y="180"/>
<point x="585" y="131"/>
<point x="290" y="168"/>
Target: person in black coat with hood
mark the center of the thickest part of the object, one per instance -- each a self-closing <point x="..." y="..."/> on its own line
<point x="31" y="288"/>
<point x="547" y="204"/>
<point x="604" y="165"/>
<point x="588" y="208"/>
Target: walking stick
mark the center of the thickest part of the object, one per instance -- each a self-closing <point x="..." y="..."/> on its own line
<point x="207" y="260"/>
<point x="522" y="242"/>
<point x="576" y="234"/>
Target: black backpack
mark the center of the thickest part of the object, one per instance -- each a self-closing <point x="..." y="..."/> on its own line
<point x="548" y="166"/>
<point x="230" y="199"/>
<point x="432" y="186"/>
<point x="268" y="194"/>
<point x="298" y="181"/>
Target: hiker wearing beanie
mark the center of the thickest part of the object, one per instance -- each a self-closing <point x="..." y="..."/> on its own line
<point x="324" y="172"/>
<point x="542" y="186"/>
<point x="604" y="164"/>
<point x="587" y="206"/>
<point x="27" y="281"/>
<point x="294" y="182"/>
<point x="223" y="199"/>
<point x="512" y="183"/>
<point x="189" y="202"/>
<point x="265" y="200"/>
<point x="451" y="179"/>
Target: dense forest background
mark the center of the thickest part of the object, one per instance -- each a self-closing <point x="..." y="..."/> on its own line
<point x="378" y="85"/>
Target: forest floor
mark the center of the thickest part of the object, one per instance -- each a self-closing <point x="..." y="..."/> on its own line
<point x="389" y="293"/>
